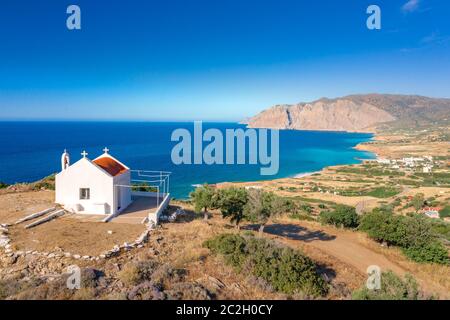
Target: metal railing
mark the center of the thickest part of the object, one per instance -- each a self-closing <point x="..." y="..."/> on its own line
<point x="149" y="179"/>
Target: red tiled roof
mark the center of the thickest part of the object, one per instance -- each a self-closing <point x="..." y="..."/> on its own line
<point x="110" y="165"/>
<point x="432" y="209"/>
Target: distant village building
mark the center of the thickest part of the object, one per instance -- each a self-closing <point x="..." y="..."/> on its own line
<point x="427" y="169"/>
<point x="93" y="186"/>
<point x="432" y="212"/>
<point x="383" y="161"/>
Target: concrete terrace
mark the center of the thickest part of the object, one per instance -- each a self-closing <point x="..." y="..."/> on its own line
<point x="139" y="209"/>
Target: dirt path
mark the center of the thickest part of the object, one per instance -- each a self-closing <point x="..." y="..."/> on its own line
<point x="341" y="244"/>
<point x="344" y="245"/>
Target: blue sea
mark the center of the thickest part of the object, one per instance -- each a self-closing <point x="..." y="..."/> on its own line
<point x="30" y="151"/>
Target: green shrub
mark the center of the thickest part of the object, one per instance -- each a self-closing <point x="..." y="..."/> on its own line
<point x="380" y="226"/>
<point x="306" y="208"/>
<point x="48" y="183"/>
<point x="415" y="235"/>
<point x="444" y="213"/>
<point x="392" y="288"/>
<point x="441" y="229"/>
<point x="396" y="230"/>
<point x="231" y="246"/>
<point x="414" y="231"/>
<point x="433" y="252"/>
<point x="285" y="269"/>
<point x="3" y="185"/>
<point x="341" y="216"/>
<point x="143" y="187"/>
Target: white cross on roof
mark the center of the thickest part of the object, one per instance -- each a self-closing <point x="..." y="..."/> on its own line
<point x="84" y="154"/>
<point x="106" y="150"/>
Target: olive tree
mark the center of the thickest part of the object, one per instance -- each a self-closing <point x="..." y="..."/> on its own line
<point x="231" y="203"/>
<point x="204" y="199"/>
<point x="259" y="207"/>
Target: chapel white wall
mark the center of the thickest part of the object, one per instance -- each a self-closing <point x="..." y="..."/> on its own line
<point x="122" y="182"/>
<point x="84" y="174"/>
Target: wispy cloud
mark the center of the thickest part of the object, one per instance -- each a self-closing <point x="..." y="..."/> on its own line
<point x="411" y="6"/>
<point x="435" y="38"/>
<point x="430" y="38"/>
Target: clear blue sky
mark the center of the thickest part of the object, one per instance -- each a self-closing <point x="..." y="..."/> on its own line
<point x="213" y="59"/>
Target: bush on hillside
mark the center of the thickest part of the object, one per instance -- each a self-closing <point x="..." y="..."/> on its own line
<point x="441" y="229"/>
<point x="232" y="247"/>
<point x="414" y="231"/>
<point x="444" y="213"/>
<point x="392" y="288"/>
<point x="415" y="235"/>
<point x="285" y="269"/>
<point x="341" y="216"/>
<point x="48" y="183"/>
<point x="432" y="252"/>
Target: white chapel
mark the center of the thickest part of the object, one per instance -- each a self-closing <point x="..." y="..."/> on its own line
<point x="99" y="186"/>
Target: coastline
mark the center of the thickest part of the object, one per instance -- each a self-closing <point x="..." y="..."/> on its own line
<point x="305" y="174"/>
<point x="362" y="146"/>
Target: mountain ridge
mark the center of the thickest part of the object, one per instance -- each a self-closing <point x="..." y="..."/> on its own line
<point x="357" y="113"/>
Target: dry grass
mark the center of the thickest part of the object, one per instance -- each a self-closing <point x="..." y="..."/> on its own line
<point x="15" y="205"/>
<point x="433" y="278"/>
<point x="182" y="247"/>
<point x="71" y="235"/>
<point x="398" y="150"/>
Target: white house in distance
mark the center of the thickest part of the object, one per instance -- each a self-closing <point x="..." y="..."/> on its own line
<point x="99" y="186"/>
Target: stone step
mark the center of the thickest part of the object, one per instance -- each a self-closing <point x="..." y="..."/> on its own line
<point x="35" y="215"/>
<point x="46" y="219"/>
